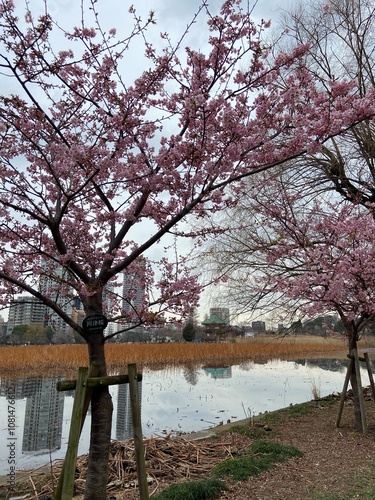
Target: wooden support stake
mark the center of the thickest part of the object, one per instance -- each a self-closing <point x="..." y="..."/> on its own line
<point x="93" y="372"/>
<point x="350" y="356"/>
<point x="344" y="390"/>
<point x="92" y="381"/>
<point x="138" y="435"/>
<point x="360" y="391"/>
<point x="369" y="371"/>
<point x="65" y="486"/>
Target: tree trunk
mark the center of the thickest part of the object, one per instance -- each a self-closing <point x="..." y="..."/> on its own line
<point x="101" y="423"/>
<point x="354" y="384"/>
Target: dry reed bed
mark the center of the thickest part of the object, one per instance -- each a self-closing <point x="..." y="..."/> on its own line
<point x="63" y="359"/>
<point x="166" y="458"/>
<point x="175" y="458"/>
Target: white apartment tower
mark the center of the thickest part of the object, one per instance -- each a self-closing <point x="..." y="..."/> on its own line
<point x="51" y="285"/>
<point x="25" y="310"/>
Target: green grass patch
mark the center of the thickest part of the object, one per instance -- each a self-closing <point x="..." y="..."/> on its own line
<point x="202" y="489"/>
<point x="263" y="455"/>
<point x="279" y="452"/>
<point x="251" y="432"/>
<point x="294" y="411"/>
<point x="240" y="468"/>
<point x="279" y="416"/>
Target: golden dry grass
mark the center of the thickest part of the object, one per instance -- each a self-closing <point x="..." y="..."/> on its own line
<point x="62" y="359"/>
<point x="179" y="353"/>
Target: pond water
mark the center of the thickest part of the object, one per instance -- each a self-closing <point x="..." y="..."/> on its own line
<point x="178" y="399"/>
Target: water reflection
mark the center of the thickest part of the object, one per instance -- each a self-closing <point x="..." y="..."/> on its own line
<point x="190" y="375"/>
<point x="221" y="372"/>
<point x="43" y="416"/>
<point x="182" y="399"/>
<point x="124" y="420"/>
<point x="332" y="365"/>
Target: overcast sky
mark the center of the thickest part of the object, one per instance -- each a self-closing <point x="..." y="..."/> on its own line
<point x="170" y="14"/>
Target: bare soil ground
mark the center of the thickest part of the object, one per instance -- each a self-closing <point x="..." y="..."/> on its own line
<point x="336" y="461"/>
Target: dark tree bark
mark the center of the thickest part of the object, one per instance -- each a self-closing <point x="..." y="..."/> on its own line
<point x="353" y="344"/>
<point x="101" y="423"/>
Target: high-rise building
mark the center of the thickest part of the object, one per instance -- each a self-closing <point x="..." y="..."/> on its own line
<point x="51" y="285"/>
<point x="221" y="313"/>
<point x="133" y="292"/>
<point x="108" y="303"/>
<point x="108" y="296"/>
<point x="78" y="316"/>
<point x="258" y="326"/>
<point x="77" y="303"/>
<point x="25" y="310"/>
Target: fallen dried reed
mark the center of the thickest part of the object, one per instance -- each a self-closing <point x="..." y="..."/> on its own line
<point x="167" y="460"/>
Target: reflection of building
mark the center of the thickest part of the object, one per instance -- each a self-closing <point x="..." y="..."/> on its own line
<point x="25" y="310"/>
<point x="43" y="416"/>
<point x="219" y="372"/>
<point x="221" y="313"/>
<point x="124" y="421"/>
<point x="17" y="384"/>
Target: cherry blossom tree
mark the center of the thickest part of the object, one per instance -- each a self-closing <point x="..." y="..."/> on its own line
<point x="297" y="255"/>
<point x="97" y="171"/>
